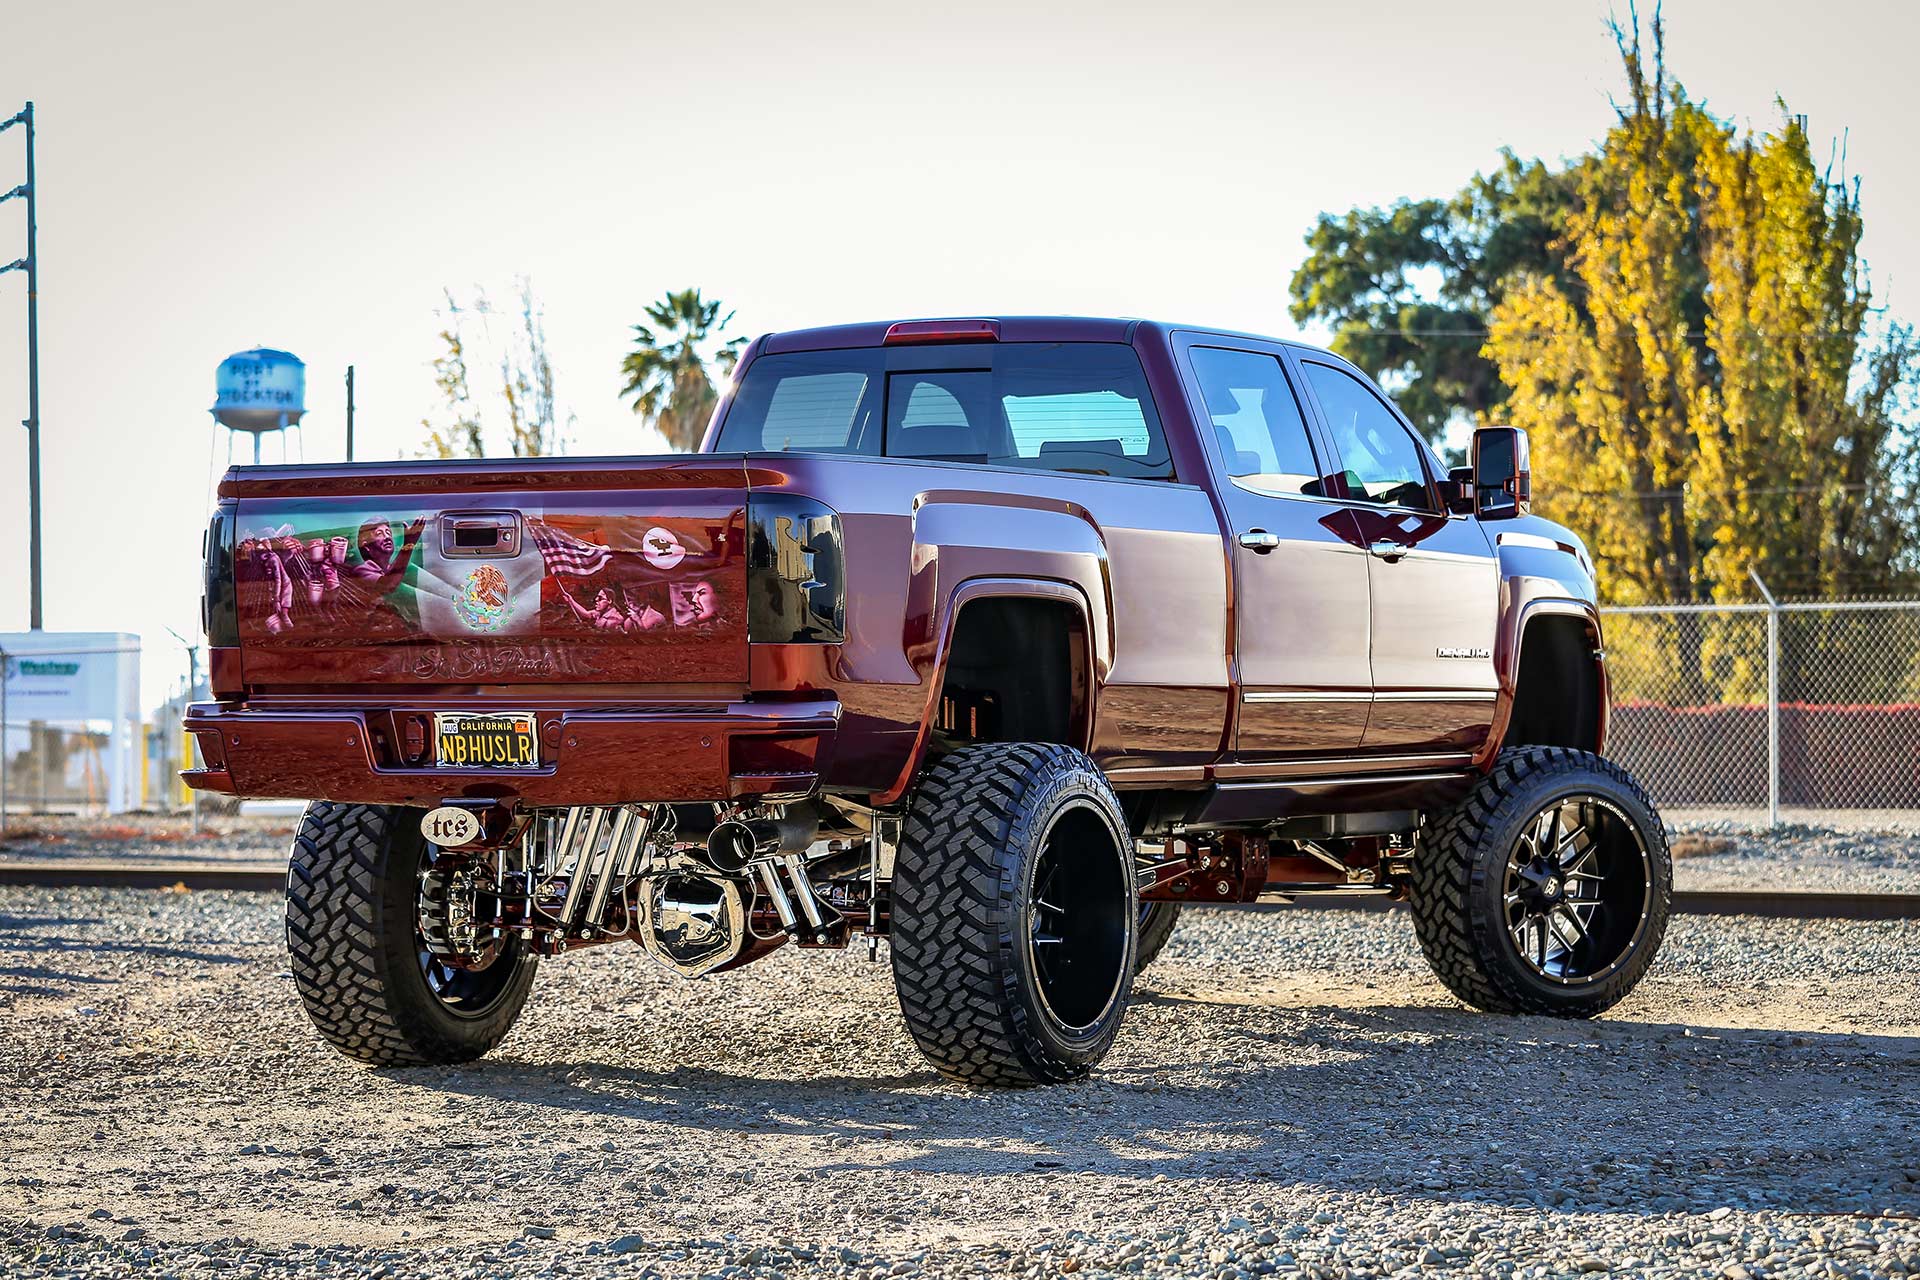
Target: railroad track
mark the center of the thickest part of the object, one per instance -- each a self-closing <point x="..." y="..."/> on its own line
<point x="1716" y="902"/>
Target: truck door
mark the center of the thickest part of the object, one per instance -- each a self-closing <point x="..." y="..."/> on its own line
<point x="1435" y="583"/>
<point x="1300" y="577"/>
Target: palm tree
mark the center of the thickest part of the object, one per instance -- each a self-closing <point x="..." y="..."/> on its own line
<point x="666" y="374"/>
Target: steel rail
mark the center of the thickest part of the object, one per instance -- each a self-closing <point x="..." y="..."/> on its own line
<point x="1781" y="905"/>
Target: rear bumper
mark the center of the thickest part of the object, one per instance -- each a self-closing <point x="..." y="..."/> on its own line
<point x="589" y="755"/>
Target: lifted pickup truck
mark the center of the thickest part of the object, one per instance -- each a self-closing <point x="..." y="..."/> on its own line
<point x="999" y="639"/>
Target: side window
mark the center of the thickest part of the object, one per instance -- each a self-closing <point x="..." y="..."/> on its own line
<point x="1257" y="420"/>
<point x="1382" y="462"/>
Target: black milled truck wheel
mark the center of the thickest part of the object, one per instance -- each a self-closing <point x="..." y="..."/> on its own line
<point x="1547" y="889"/>
<point x="1156" y="927"/>
<point x="1014" y="915"/>
<point x="369" y="983"/>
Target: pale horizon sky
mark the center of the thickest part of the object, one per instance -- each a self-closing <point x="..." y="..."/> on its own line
<point x="219" y="176"/>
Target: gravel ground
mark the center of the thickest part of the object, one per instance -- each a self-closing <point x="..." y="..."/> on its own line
<point x="1798" y="858"/>
<point x="148" y="839"/>
<point x="1292" y="1096"/>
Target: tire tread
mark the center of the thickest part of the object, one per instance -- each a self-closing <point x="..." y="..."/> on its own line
<point x="1450" y="855"/>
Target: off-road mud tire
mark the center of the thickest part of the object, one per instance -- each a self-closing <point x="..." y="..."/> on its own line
<point x="973" y="836"/>
<point x="1156" y="928"/>
<point x="1459" y="870"/>
<point x="352" y="899"/>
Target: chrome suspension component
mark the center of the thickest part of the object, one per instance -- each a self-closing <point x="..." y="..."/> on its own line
<point x="803" y="893"/>
<point x="629" y="831"/>
<point x="582" y="861"/>
<point x="596" y="873"/>
<point x="777" y="895"/>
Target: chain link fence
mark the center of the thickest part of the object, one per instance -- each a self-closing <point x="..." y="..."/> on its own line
<point x="1805" y="712"/>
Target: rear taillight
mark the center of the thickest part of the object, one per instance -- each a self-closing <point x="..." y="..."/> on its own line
<point x="796" y="572"/>
<point x="219" y="599"/>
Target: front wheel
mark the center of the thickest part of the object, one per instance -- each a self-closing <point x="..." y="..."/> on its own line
<point x="1014" y="915"/>
<point x="359" y="886"/>
<point x="1547" y="889"/>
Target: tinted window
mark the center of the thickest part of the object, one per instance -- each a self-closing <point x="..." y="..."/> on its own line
<point x="1074" y="406"/>
<point x="1079" y="418"/>
<point x="925" y="418"/>
<point x="800" y="402"/>
<point x="1257" y="420"/>
<point x="1381" y="460"/>
<point x="929" y="404"/>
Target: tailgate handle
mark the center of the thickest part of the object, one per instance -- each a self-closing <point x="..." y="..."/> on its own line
<point x="480" y="534"/>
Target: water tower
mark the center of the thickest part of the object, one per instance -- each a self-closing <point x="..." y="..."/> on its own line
<point x="260" y="391"/>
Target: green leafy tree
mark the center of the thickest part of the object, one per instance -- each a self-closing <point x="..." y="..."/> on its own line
<point x="1408" y="289"/>
<point x="667" y="370"/>
<point x="1680" y="319"/>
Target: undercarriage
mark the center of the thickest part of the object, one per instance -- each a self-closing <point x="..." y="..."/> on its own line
<point x="1018" y="896"/>
<point x="815" y="875"/>
<point x="755" y="879"/>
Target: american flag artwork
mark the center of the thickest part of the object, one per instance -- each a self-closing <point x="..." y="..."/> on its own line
<point x="566" y="554"/>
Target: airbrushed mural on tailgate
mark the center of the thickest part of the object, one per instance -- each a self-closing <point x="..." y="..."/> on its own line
<point x="465" y="594"/>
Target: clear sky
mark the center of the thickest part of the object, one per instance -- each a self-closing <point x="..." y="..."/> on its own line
<point x="216" y="176"/>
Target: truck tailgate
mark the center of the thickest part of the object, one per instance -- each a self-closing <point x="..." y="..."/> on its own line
<point x="523" y="572"/>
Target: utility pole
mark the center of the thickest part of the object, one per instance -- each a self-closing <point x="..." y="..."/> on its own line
<point x="349" y="415"/>
<point x="31" y="263"/>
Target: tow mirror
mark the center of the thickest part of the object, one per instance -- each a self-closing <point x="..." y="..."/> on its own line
<point x="1457" y="489"/>
<point x="1502" y="475"/>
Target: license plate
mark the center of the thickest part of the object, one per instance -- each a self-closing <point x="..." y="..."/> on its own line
<point x="495" y="740"/>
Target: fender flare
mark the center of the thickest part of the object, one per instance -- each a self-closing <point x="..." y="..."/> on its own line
<point x="1508" y="641"/>
<point x="934" y="673"/>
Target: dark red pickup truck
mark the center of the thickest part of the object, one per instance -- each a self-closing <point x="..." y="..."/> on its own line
<point x="996" y="638"/>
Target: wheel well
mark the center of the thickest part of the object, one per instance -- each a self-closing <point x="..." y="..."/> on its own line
<point x="1016" y="672"/>
<point x="1556" y="701"/>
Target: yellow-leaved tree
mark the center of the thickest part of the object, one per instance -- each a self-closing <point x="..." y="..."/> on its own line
<point x="1702" y="396"/>
<point x="1704" y="403"/>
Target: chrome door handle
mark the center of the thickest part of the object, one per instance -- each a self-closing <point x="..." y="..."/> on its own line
<point x="1259" y="540"/>
<point x="1386" y="549"/>
<point x="480" y="535"/>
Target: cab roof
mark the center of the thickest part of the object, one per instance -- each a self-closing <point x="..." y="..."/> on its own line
<point x="874" y="333"/>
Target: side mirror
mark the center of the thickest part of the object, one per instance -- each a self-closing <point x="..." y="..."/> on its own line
<point x="1502" y="474"/>
<point x="1457" y="490"/>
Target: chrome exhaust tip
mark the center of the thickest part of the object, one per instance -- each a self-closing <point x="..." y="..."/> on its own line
<point x="733" y="845"/>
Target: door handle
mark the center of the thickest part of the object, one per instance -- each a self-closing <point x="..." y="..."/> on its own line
<point x="480" y="535"/>
<point x="1386" y="549"/>
<point x="1259" y="540"/>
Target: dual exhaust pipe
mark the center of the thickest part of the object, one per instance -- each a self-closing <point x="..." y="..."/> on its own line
<point x="767" y="846"/>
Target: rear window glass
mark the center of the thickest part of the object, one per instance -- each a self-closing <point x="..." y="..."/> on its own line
<point x="1078" y="406"/>
<point x="808" y="409"/>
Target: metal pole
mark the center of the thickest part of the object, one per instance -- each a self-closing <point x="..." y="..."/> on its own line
<point x="1773" y="699"/>
<point x="5" y="672"/>
<point x="34" y="619"/>
<point x="349" y="413"/>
